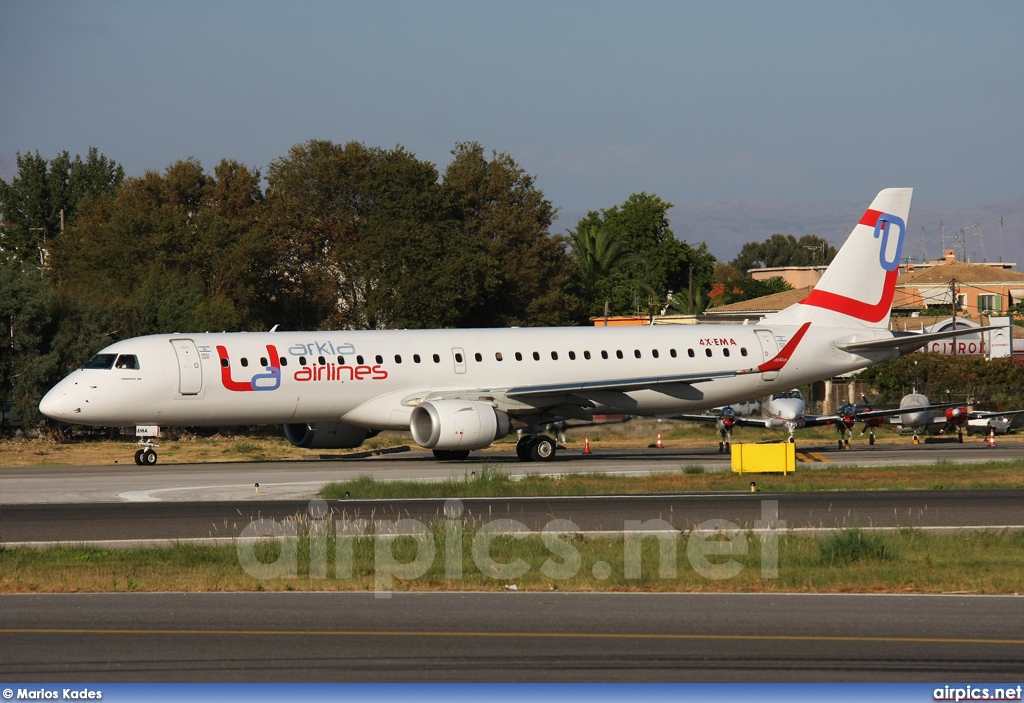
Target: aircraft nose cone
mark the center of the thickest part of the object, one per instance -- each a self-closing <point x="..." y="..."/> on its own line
<point x="55" y="405"/>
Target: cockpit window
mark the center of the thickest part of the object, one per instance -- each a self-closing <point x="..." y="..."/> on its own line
<point x="100" y="361"/>
<point x="127" y="361"/>
<point x="789" y="394"/>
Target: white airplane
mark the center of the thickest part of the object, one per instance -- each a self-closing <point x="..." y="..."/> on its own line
<point x="458" y="390"/>
<point x="785" y="410"/>
<point x="917" y="416"/>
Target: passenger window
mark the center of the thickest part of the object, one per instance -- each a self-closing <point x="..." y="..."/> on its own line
<point x="604" y="354"/>
<point x="572" y="355"/>
<point x="284" y="361"/>
<point x="536" y="356"/>
<point x="618" y="354"/>
<point x="302" y="360"/>
<point x="478" y="356"/>
<point x="100" y="361"/>
<point x="672" y="353"/>
<point x="379" y="359"/>
<point x="743" y="351"/>
<point x="707" y="352"/>
<point x="323" y="361"/>
<point x="497" y="356"/>
<point x="398" y="358"/>
<point x="225" y="363"/>
<point x="689" y="353"/>
<point x="586" y="355"/>
<point x="636" y="353"/>
<point x="458" y="358"/>
<point x="654" y="353"/>
<point x="725" y="352"/>
<point x="128" y="361"/>
<point x="415" y="358"/>
<point x="263" y="360"/>
<point x="519" y="356"/>
<point x="359" y="359"/>
<point x="554" y="356"/>
<point x="244" y="362"/>
<point x="341" y="361"/>
<point x="437" y="359"/>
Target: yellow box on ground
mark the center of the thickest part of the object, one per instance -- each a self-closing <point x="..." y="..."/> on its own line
<point x="763" y="458"/>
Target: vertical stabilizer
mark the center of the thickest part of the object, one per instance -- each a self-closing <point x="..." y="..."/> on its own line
<point x="858" y="287"/>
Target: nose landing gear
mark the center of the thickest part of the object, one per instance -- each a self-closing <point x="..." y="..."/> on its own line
<point x="146" y="455"/>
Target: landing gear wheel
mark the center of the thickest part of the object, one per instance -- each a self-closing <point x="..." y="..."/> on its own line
<point x="960" y="437"/>
<point x="846" y="444"/>
<point x="871" y="440"/>
<point x="721" y="447"/>
<point x="138" y="457"/>
<point x="792" y="439"/>
<point x="451" y="454"/>
<point x="840" y="445"/>
<point x="728" y="447"/>
<point x="542" y="448"/>
<point x="149" y="457"/>
<point x="523" y="448"/>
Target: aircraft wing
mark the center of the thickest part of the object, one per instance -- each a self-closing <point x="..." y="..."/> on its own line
<point x="982" y="414"/>
<point x="869" y="414"/>
<point x="818" y="420"/>
<point x="704" y="417"/>
<point x="907" y="342"/>
<point x="622" y="385"/>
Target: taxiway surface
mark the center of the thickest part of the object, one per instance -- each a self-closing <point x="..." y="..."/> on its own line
<point x="301" y="480"/>
<point x="509" y="637"/>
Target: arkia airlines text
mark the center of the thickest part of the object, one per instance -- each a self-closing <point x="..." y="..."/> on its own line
<point x="459" y="390"/>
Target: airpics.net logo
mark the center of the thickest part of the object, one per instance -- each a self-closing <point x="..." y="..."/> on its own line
<point x="407" y="549"/>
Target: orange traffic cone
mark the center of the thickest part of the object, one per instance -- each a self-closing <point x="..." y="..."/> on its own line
<point x="991" y="441"/>
<point x="658" y="444"/>
<point x="586" y="445"/>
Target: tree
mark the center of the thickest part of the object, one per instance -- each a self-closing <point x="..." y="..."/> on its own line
<point x="45" y="196"/>
<point x="599" y="251"/>
<point x="527" y="271"/>
<point x="659" y="263"/>
<point x="25" y="302"/>
<point x="371" y="240"/>
<point x="784" y="250"/>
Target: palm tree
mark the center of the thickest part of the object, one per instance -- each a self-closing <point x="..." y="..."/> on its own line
<point x="599" y="251"/>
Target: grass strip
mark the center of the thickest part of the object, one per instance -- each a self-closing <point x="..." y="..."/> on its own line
<point x="495" y="481"/>
<point x="846" y="561"/>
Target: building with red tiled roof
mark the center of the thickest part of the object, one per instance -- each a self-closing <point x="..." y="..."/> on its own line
<point x="979" y="288"/>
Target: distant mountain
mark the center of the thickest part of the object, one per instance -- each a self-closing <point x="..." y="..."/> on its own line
<point x="726" y="225"/>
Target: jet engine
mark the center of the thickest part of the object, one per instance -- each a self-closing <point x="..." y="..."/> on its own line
<point x="325" y="435"/>
<point x="457" y="424"/>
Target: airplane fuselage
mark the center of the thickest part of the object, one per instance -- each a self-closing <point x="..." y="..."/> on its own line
<point x="374" y="379"/>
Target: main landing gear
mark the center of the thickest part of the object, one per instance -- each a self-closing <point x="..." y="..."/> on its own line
<point x="539" y="448"/>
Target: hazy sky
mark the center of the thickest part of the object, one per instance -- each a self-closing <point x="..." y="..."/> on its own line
<point x="694" y="101"/>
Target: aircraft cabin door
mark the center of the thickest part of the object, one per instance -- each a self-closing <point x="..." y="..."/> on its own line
<point x="190" y="370"/>
<point x="769" y="350"/>
<point x="459" y="357"/>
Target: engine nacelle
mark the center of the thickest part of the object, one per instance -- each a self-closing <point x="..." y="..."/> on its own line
<point x="457" y="424"/>
<point x="325" y="435"/>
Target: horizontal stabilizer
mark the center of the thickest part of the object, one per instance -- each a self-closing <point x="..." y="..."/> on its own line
<point x="907" y="342"/>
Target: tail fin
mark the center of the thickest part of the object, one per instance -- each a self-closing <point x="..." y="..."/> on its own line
<point x="857" y="288"/>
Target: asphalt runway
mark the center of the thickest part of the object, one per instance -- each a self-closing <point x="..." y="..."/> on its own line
<point x="220" y="521"/>
<point x="298" y="480"/>
<point x="542" y="637"/>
